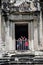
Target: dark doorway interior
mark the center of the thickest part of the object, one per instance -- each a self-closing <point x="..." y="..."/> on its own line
<point x="21" y="30"/>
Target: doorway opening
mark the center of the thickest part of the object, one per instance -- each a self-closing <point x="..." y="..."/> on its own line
<point x="21" y="30"/>
<point x="21" y="36"/>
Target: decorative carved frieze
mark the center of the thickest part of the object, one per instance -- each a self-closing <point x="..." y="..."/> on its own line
<point x="21" y="6"/>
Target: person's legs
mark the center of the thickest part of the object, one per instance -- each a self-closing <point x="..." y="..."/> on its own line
<point x="26" y="47"/>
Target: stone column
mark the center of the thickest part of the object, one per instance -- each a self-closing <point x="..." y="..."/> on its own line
<point x="32" y="35"/>
<point x="40" y="25"/>
<point x="0" y="32"/>
<point x="35" y="35"/>
<point x="13" y="34"/>
<point x="10" y="37"/>
<point x="7" y="35"/>
<point x="38" y="29"/>
<point x="29" y="34"/>
<point x="41" y="36"/>
<point x="3" y="34"/>
<point x="0" y="27"/>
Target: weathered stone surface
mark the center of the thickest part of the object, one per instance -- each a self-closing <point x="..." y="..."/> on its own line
<point x="20" y="17"/>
